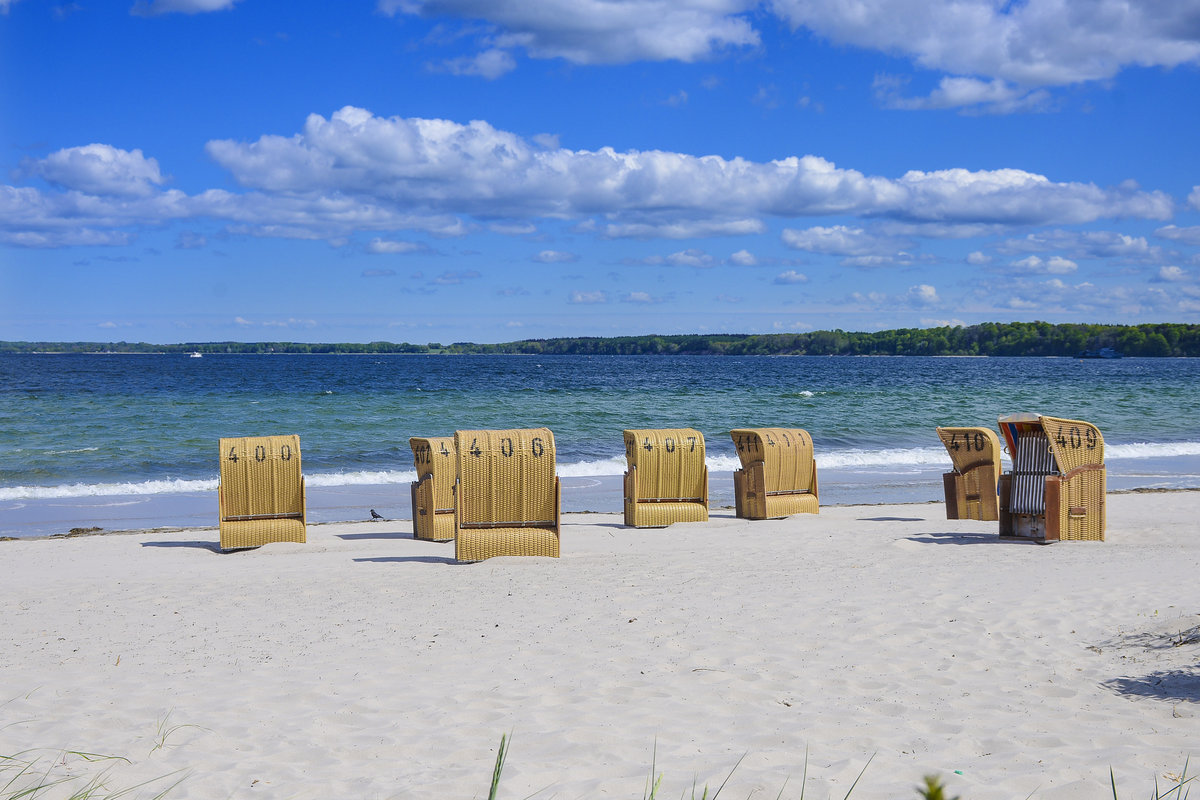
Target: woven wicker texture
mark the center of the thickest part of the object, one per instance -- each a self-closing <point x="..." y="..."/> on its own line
<point x="508" y="495"/>
<point x="667" y="480"/>
<point x="261" y="494"/>
<point x="433" y="491"/>
<point x="971" y="487"/>
<point x="778" y="477"/>
<point x="1057" y="485"/>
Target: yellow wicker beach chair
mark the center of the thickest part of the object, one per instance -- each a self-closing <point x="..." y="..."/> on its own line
<point x="261" y="493"/>
<point x="507" y="494"/>
<point x="667" y="480"/>
<point x="433" y="490"/>
<point x="778" y="477"/>
<point x="971" y="487"/>
<point x="1055" y="490"/>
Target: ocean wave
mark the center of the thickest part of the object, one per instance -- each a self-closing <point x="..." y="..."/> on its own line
<point x="921" y="458"/>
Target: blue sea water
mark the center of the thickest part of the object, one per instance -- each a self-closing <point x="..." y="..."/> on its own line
<point x="116" y="431"/>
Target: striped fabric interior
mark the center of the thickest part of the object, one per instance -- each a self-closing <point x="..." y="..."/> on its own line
<point x="1031" y="464"/>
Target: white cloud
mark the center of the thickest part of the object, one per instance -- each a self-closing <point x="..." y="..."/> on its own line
<point x="452" y="278"/>
<point x="1189" y="235"/>
<point x="489" y="64"/>
<point x="99" y="169"/>
<point x="587" y="298"/>
<point x="555" y="257"/>
<point x="1086" y="244"/>
<point x="978" y="259"/>
<point x="1194" y="198"/>
<point x="1034" y="265"/>
<point x="600" y="31"/>
<point x="690" y="258"/>
<point x="923" y="295"/>
<point x="1030" y="44"/>
<point x="1172" y="274"/>
<point x="791" y="276"/>
<point x="995" y="96"/>
<point x="153" y="8"/>
<point x="391" y="247"/>
<point x="743" y="258"/>
<point x="641" y="297"/>
<point x="356" y="172"/>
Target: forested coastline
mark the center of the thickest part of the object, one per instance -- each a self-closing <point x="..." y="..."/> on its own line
<point x="986" y="339"/>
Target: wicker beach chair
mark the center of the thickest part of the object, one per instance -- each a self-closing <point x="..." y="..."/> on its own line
<point x="1055" y="490"/>
<point x="667" y="480"/>
<point x="778" y="477"/>
<point x="261" y="493"/>
<point x="971" y="487"/>
<point x="433" y="490"/>
<point x="507" y="494"/>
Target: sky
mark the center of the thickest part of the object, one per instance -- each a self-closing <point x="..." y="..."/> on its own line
<point x="492" y="170"/>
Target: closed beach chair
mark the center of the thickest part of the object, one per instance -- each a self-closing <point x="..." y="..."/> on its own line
<point x="667" y="479"/>
<point x="507" y="496"/>
<point x="971" y="487"/>
<point x="778" y="477"/>
<point x="1055" y="490"/>
<point x="261" y="493"/>
<point x="433" y="490"/>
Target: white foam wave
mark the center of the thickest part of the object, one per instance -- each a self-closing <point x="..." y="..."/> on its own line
<point x="848" y="459"/>
<point x="1152" y="449"/>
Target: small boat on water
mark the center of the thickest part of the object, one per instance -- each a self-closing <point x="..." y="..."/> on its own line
<point x="196" y="355"/>
<point x="1103" y="352"/>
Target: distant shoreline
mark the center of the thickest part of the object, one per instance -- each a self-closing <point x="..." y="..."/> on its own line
<point x="1011" y="339"/>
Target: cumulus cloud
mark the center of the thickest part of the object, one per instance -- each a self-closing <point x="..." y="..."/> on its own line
<point x="489" y="64"/>
<point x="978" y="259"/>
<point x="600" y="31"/>
<point x="995" y="55"/>
<point x="1194" y="198"/>
<point x="1187" y="235"/>
<point x="743" y="258"/>
<point x="154" y="8"/>
<point x="1034" y="265"/>
<point x="641" y="297"/>
<point x="791" y="276"/>
<point x="1030" y="44"/>
<point x="99" y="169"/>
<point x="995" y="96"/>
<point x="839" y="240"/>
<point x="1086" y="244"/>
<point x="356" y="172"/>
<point x="923" y="295"/>
<point x="1172" y="274"/>
<point x="391" y="247"/>
<point x="587" y="298"/>
<point x="555" y="257"/>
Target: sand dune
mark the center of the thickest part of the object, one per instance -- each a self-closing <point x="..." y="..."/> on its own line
<point x="367" y="664"/>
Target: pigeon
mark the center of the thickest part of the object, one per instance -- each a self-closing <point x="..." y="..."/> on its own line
<point x="375" y="514"/>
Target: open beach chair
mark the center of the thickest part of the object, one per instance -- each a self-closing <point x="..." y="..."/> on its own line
<point x="433" y="490"/>
<point x="667" y="480"/>
<point x="778" y="477"/>
<point x="1055" y="490"/>
<point x="261" y="493"/>
<point x="507" y="495"/>
<point x="971" y="487"/>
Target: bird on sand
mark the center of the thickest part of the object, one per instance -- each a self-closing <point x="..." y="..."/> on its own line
<point x="375" y="514"/>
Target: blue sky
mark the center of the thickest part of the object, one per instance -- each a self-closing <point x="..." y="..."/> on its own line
<point x="489" y="170"/>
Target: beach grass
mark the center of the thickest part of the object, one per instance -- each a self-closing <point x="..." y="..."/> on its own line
<point x="30" y="774"/>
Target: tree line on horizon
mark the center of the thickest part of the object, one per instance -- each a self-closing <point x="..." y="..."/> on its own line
<point x="986" y="339"/>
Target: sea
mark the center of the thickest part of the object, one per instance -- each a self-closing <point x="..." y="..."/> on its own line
<point x="129" y="442"/>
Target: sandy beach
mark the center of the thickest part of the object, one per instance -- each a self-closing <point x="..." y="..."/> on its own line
<point x="366" y="664"/>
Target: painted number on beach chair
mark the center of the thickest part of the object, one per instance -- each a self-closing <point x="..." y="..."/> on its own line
<point x="506" y="447"/>
<point x="474" y="449"/>
<point x="969" y="442"/>
<point x="443" y="450"/>
<point x="669" y="444"/>
<point x="536" y="447"/>
<point x="1075" y="439"/>
<point x="260" y="453"/>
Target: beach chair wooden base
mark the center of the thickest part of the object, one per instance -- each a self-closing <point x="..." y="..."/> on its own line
<point x="972" y="495"/>
<point x="752" y="501"/>
<point x="429" y="522"/>
<point x="660" y="514"/>
<point x="477" y="544"/>
<point x="240" y="534"/>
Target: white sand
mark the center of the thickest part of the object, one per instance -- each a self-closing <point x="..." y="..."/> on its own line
<point x="369" y="665"/>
